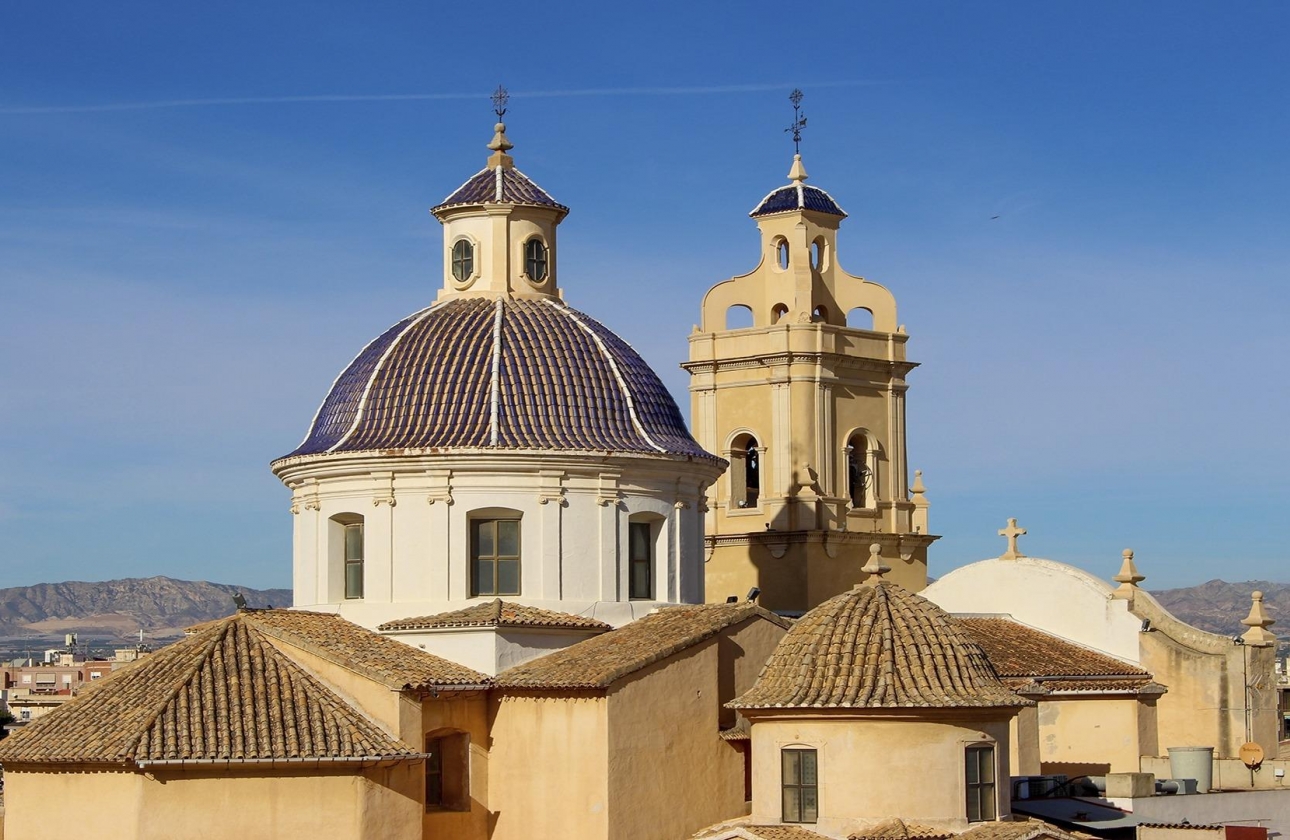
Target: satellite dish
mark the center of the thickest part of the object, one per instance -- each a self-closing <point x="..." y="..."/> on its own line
<point x="1251" y="754"/>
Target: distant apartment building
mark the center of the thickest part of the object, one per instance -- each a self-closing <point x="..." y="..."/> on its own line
<point x="31" y="689"/>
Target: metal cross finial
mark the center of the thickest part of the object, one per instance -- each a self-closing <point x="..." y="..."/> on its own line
<point x="1012" y="532"/>
<point x="500" y="98"/>
<point x="799" y="121"/>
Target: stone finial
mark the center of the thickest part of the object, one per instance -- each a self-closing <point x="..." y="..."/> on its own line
<point x="875" y="568"/>
<point x="918" y="519"/>
<point x="1129" y="577"/>
<point x="797" y="174"/>
<point x="1011" y="532"/>
<point x="1258" y="635"/>
<point x="500" y="146"/>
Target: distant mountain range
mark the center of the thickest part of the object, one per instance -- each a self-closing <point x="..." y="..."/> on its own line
<point x="162" y="607"/>
<point x="118" y="609"/>
<point x="1219" y="606"/>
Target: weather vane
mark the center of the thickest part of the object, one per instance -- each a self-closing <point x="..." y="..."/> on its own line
<point x="500" y="98"/>
<point x="799" y="121"/>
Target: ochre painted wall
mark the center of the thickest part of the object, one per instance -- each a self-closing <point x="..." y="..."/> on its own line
<point x="372" y="804"/>
<point x="669" y="772"/>
<point x="547" y="773"/>
<point x="874" y="768"/>
<point x="1089" y="736"/>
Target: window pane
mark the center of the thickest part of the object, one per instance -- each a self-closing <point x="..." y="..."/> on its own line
<point x="810" y="805"/>
<point x="640" y="581"/>
<point x="484" y="538"/>
<point x="508" y="538"/>
<point x="987" y="802"/>
<point x="973" y="774"/>
<point x="508" y="577"/>
<point x="792" y="767"/>
<point x="483" y="577"/>
<point x="354" y="580"/>
<point x="973" y="806"/>
<point x="638" y="541"/>
<point x="808" y="767"/>
<point x="792" y="804"/>
<point x="353" y="542"/>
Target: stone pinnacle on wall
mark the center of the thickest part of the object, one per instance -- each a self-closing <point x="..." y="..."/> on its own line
<point x="1258" y="635"/>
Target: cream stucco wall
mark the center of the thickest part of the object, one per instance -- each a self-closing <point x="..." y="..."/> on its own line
<point x="574" y="509"/>
<point x="1220" y="693"/>
<point x="1054" y="597"/>
<point x="1081" y="736"/>
<point x="643" y="762"/>
<point x="548" y="768"/>
<point x="875" y="768"/>
<point x="216" y="804"/>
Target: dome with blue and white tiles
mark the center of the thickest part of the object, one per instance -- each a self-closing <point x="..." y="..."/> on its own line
<point x="796" y="196"/>
<point x="474" y="373"/>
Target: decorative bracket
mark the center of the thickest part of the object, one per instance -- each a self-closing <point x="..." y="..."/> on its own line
<point x="384" y="489"/>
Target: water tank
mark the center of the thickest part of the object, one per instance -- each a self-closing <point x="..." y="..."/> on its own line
<point x="1193" y="763"/>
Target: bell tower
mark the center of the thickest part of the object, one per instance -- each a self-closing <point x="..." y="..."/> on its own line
<point x="798" y="379"/>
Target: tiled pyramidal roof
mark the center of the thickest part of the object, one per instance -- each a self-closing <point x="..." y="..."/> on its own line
<point x="513" y="373"/>
<point x="602" y="660"/>
<point x="500" y="185"/>
<point x="225" y="693"/>
<point x="797" y="196"/>
<point x="1025" y="657"/>
<point x="877" y="646"/>
<point x="498" y="613"/>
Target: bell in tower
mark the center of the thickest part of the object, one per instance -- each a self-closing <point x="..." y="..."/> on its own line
<point x="798" y="380"/>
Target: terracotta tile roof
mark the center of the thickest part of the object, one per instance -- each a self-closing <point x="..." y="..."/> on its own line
<point x="898" y="829"/>
<point x="782" y="832"/>
<point x="1184" y="825"/>
<point x="500" y="185"/>
<point x="564" y="382"/>
<point x="1016" y="650"/>
<point x="1132" y="685"/>
<point x="878" y="646"/>
<point x="498" y="613"/>
<point x="1016" y="829"/>
<point x="380" y="658"/>
<point x="225" y="693"/>
<point x="730" y="831"/>
<point x="601" y="660"/>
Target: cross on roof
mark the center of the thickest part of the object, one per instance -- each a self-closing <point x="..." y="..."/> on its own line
<point x="1011" y="532"/>
<point x="500" y="97"/>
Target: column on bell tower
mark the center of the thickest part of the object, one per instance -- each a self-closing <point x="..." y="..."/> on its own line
<point x="805" y="395"/>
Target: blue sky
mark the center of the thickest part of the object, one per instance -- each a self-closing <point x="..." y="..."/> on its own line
<point x="1106" y="361"/>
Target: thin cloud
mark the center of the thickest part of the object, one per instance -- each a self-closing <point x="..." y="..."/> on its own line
<point x="159" y="104"/>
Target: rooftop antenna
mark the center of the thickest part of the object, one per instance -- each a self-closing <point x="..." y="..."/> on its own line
<point x="500" y="98"/>
<point x="799" y="121"/>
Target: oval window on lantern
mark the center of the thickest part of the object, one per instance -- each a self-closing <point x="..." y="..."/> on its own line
<point x="463" y="260"/>
<point x="535" y="260"/>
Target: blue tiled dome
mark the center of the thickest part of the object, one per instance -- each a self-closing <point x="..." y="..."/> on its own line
<point x="475" y="373"/>
<point x="797" y="197"/>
